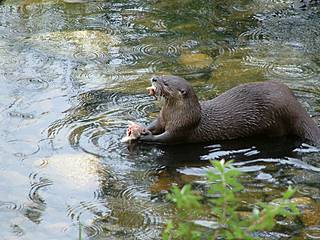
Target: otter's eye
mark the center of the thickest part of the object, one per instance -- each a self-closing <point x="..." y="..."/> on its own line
<point x="166" y="84"/>
<point x="183" y="92"/>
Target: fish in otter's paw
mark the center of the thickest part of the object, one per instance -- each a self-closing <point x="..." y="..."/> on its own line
<point x="255" y="109"/>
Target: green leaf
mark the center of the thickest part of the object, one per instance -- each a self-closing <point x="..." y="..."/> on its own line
<point x="289" y="193"/>
<point x="168" y="230"/>
<point x="222" y="198"/>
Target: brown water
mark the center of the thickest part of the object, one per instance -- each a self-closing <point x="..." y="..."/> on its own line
<point x="74" y="72"/>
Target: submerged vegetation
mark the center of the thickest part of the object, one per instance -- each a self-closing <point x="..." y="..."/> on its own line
<point x="220" y="209"/>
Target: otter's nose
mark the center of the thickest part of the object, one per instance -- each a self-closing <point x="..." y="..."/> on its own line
<point x="154" y="79"/>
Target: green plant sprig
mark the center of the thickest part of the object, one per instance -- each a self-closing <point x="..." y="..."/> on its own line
<point x="223" y="204"/>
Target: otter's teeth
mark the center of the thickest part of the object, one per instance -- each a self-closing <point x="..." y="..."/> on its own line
<point x="152" y="90"/>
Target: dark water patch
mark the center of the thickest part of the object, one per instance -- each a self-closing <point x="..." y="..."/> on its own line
<point x="282" y="40"/>
<point x="179" y="155"/>
<point x="271" y="162"/>
<point x="290" y="69"/>
<point x="306" y="4"/>
<point x="86" y="8"/>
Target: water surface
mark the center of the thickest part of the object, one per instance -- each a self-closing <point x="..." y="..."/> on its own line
<point x="74" y="72"/>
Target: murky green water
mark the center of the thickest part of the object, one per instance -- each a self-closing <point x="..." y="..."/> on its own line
<point x="74" y="72"/>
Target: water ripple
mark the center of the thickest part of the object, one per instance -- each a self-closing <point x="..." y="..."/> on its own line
<point x="97" y="126"/>
<point x="277" y="64"/>
<point x="118" y="215"/>
<point x="32" y="83"/>
<point x="22" y="148"/>
<point x="255" y="61"/>
<point x="140" y="218"/>
<point x="37" y="184"/>
<point x="285" y="161"/>
<point x="294" y="71"/>
<point x="145" y="49"/>
<point x="10" y="206"/>
<point x="130" y="192"/>
<point x="313" y="232"/>
<point x="153" y="56"/>
<point x="216" y="152"/>
<point x="256" y="34"/>
<point x="85" y="210"/>
<point x="284" y="45"/>
<point x="83" y="46"/>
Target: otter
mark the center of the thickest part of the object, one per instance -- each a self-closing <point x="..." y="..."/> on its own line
<point x="255" y="109"/>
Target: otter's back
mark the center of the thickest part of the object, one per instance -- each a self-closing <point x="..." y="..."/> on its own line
<point x="266" y="108"/>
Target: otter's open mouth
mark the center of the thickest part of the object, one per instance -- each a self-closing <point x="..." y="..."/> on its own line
<point x="156" y="91"/>
<point x="152" y="90"/>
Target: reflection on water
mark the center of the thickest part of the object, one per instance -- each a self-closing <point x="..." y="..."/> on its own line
<point x="74" y="72"/>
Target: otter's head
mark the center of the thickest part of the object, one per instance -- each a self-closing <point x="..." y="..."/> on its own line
<point x="172" y="88"/>
<point x="181" y="110"/>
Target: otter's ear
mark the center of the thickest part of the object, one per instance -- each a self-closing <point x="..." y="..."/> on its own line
<point x="183" y="92"/>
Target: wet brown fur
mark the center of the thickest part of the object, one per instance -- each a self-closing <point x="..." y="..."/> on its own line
<point x="264" y="108"/>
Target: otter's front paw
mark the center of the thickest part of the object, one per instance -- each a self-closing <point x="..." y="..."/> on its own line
<point x="146" y="138"/>
<point x="134" y="132"/>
